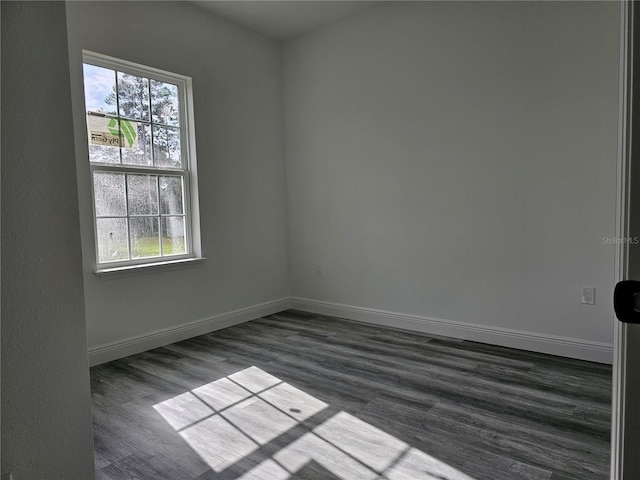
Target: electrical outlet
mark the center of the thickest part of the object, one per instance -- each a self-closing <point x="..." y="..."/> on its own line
<point x="319" y="269"/>
<point x="589" y="295"/>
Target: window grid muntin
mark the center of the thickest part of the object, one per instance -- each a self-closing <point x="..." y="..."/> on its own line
<point x="115" y="74"/>
<point x="126" y="199"/>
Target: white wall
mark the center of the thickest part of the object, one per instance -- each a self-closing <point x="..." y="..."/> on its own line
<point x="238" y="116"/>
<point x="449" y="160"/>
<point x="456" y="160"/>
<point x="46" y="416"/>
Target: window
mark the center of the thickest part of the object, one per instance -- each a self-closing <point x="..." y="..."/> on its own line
<point x="142" y="162"/>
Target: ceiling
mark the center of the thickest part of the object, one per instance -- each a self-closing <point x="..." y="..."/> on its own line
<point x="283" y="19"/>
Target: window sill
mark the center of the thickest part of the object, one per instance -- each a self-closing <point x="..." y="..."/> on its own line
<point x="129" y="270"/>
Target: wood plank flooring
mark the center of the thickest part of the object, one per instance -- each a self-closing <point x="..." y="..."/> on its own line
<point x="307" y="397"/>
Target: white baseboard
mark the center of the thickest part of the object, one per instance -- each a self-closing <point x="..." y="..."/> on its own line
<point x="563" y="346"/>
<point x="140" y="343"/>
<point x="537" y="342"/>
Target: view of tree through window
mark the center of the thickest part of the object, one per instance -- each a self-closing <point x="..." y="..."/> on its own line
<point x="138" y="167"/>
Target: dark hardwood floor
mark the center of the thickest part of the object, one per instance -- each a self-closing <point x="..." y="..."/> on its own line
<point x="303" y="396"/>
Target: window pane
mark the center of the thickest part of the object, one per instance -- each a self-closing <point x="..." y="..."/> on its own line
<point x="166" y="143"/>
<point x="108" y="189"/>
<point x="173" y="236"/>
<point x="145" y="240"/>
<point x="101" y="154"/>
<point x="112" y="239"/>
<point x="99" y="89"/>
<point x="143" y="194"/>
<point x="171" y="196"/>
<point x="105" y="138"/>
<point x="133" y="96"/>
<point x="164" y="103"/>
<point x="140" y="153"/>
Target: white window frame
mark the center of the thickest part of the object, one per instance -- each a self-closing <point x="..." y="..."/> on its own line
<point x="188" y="171"/>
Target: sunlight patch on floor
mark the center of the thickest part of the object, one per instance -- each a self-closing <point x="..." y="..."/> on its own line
<point x="227" y="420"/>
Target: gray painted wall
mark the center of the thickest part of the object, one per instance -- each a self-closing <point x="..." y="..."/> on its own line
<point x="238" y="117"/>
<point x="631" y="424"/>
<point x="457" y="160"/>
<point x="46" y="416"/>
